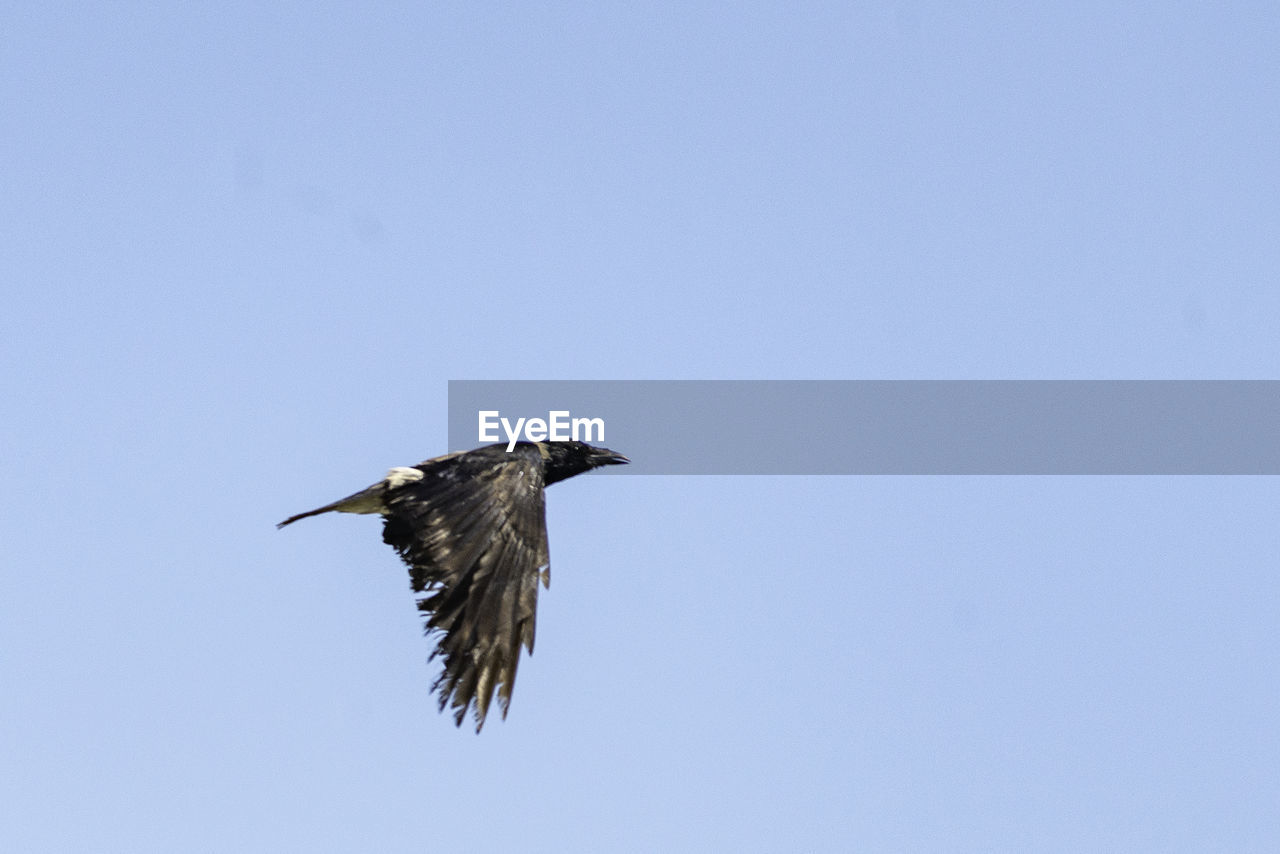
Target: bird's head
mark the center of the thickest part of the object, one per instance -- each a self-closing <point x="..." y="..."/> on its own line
<point x="565" y="459"/>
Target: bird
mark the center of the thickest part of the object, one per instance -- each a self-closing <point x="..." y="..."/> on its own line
<point x="471" y="526"/>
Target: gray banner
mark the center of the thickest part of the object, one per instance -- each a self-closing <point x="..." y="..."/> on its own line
<point x="893" y="426"/>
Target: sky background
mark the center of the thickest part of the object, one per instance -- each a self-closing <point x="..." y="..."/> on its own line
<point x="244" y="247"/>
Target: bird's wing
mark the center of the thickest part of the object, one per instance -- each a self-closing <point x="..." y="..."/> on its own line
<point x="473" y="532"/>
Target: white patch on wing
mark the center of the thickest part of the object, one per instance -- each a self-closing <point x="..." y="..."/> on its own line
<point x="400" y="475"/>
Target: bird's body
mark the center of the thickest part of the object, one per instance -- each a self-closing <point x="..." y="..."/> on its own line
<point x="472" y="528"/>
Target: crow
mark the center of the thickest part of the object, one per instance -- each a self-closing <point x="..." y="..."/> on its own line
<point x="472" y="528"/>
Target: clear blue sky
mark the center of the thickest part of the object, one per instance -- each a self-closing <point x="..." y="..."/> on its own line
<point x="245" y="245"/>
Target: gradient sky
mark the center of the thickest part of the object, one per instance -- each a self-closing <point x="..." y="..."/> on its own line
<point x="246" y="245"/>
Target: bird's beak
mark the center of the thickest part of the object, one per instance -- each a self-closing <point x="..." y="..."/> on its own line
<point x="606" y="457"/>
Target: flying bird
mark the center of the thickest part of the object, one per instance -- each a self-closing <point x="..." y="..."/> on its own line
<point x="472" y="528"/>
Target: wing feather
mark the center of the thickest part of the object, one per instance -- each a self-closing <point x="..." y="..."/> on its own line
<point x="473" y="533"/>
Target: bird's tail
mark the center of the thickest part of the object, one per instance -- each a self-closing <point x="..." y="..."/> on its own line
<point x="365" y="501"/>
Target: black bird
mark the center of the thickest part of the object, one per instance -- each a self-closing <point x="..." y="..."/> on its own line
<point x="472" y="527"/>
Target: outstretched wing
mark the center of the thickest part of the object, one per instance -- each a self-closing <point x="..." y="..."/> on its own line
<point x="473" y="532"/>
